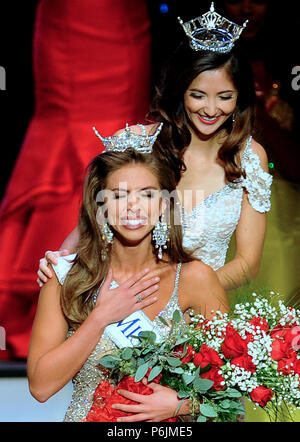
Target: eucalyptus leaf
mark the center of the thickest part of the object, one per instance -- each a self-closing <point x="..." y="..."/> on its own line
<point x="154" y="372"/>
<point x="232" y="392"/>
<point x="183" y="394"/>
<point x="201" y="418"/>
<point x="127" y="353"/>
<point x="141" y="372"/>
<point x="174" y="362"/>
<point x="188" y="378"/>
<point x="207" y="410"/>
<point x="181" y="341"/>
<point x="203" y="385"/>
<point x="109" y="361"/>
<point x="177" y="370"/>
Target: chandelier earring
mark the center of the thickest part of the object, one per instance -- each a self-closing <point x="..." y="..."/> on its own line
<point x="233" y="119"/>
<point x="160" y="236"/>
<point x="107" y="237"/>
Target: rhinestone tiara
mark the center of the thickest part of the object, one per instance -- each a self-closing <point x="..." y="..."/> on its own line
<point x="128" y="139"/>
<point x="212" y="32"/>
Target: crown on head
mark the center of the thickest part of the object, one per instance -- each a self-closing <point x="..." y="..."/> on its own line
<point x="212" y="32"/>
<point x="128" y="139"/>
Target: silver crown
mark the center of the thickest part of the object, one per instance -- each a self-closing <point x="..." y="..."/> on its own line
<point x="128" y="139"/>
<point x="212" y="32"/>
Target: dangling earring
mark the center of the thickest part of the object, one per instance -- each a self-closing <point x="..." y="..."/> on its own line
<point x="107" y="237"/>
<point x="233" y="119"/>
<point x="160" y="236"/>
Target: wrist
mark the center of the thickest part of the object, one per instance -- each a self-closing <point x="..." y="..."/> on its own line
<point x="184" y="407"/>
<point x="99" y="316"/>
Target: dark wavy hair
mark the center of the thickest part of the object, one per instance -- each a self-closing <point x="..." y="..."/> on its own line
<point x="168" y="104"/>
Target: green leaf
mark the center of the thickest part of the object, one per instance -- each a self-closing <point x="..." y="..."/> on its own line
<point x="177" y="370"/>
<point x="141" y="372"/>
<point x="181" y="341"/>
<point x="232" y="392"/>
<point x="225" y="404"/>
<point x="176" y="316"/>
<point x="183" y="394"/>
<point x="174" y="362"/>
<point x="188" y="378"/>
<point x="202" y="385"/>
<point x="207" y="410"/>
<point x="162" y="319"/>
<point x="201" y="418"/>
<point x="127" y="353"/>
<point x="154" y="372"/>
<point x="109" y="361"/>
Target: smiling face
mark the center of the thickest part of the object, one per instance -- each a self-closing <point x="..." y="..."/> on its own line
<point x="209" y="101"/>
<point x="133" y="201"/>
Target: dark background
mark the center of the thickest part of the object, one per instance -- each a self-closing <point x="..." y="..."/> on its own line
<point x="16" y="26"/>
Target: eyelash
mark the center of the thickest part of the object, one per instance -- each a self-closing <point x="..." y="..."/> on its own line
<point x="201" y="96"/>
<point x="148" y="195"/>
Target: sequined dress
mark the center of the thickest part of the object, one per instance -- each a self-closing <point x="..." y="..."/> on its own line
<point x="91" y="374"/>
<point x="208" y="227"/>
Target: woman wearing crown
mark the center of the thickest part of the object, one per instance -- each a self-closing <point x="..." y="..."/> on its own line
<point x="206" y="104"/>
<point x="117" y="272"/>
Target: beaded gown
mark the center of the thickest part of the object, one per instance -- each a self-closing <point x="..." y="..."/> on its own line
<point x="209" y="226"/>
<point x="92" y="374"/>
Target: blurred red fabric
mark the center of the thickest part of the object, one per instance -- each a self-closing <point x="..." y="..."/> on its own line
<point x="91" y="62"/>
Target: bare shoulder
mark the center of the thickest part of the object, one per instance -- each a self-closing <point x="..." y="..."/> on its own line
<point x="198" y="272"/>
<point x="150" y="129"/>
<point x="202" y="289"/>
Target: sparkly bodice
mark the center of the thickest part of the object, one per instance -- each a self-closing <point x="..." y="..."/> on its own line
<point x="208" y="227"/>
<point x="91" y="373"/>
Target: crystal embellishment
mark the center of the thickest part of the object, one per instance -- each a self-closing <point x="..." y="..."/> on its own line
<point x="212" y="32"/>
<point x="128" y="139"/>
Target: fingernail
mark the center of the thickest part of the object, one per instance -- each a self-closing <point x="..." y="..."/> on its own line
<point x="156" y="286"/>
<point x="157" y="278"/>
<point x="146" y="270"/>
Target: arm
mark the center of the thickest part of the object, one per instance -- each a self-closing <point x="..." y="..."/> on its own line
<point x="70" y="243"/>
<point x="53" y="360"/>
<point x="249" y="235"/>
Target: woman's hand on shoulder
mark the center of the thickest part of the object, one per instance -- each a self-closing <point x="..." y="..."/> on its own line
<point x="44" y="272"/>
<point x="203" y="289"/>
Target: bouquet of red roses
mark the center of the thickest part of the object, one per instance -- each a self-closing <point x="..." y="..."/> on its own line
<point x="251" y="352"/>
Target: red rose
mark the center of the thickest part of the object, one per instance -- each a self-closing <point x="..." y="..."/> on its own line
<point x="244" y="361"/>
<point x="233" y="344"/>
<point x="106" y="395"/>
<point x="261" y="395"/>
<point x="288" y="365"/>
<point x="281" y="349"/>
<point x="207" y="356"/>
<point x="214" y="375"/>
<point x="284" y="333"/>
<point x="190" y="353"/>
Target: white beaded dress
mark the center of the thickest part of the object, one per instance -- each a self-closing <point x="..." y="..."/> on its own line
<point x="208" y="227"/>
<point x="91" y="373"/>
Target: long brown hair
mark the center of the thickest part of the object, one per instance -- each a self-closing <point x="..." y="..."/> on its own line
<point x="88" y="270"/>
<point x="168" y="106"/>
